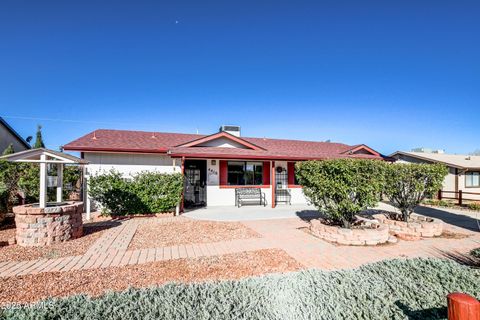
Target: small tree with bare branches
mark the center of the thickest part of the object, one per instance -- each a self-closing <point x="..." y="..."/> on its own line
<point x="408" y="184"/>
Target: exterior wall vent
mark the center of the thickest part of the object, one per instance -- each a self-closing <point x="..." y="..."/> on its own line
<point x="233" y="130"/>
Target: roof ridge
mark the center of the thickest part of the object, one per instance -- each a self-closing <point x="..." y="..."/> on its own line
<point x="242" y="137"/>
<point x="148" y="131"/>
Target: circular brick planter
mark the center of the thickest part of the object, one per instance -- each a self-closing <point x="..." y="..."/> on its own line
<point x="45" y="226"/>
<point x="419" y="226"/>
<point x="353" y="237"/>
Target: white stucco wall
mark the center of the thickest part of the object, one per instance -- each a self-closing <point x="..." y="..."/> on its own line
<point x="130" y="164"/>
<point x="222" y="143"/>
<point x="449" y="183"/>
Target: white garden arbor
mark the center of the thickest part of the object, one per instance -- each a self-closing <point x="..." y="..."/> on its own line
<point x="44" y="157"/>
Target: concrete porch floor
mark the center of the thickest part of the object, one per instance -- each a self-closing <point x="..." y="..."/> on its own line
<point x="252" y="212"/>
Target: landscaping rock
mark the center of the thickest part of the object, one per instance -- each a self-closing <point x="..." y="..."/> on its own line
<point x="392" y="239"/>
<point x="354" y="237"/>
<point x="418" y="227"/>
<point x="12" y="241"/>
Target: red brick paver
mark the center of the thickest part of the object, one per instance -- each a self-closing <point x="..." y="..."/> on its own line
<point x="111" y="249"/>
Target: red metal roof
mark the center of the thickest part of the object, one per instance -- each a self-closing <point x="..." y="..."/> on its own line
<point x="160" y="142"/>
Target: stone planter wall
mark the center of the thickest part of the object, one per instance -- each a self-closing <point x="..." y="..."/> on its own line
<point x="355" y="237"/>
<point x="421" y="226"/>
<point x="45" y="226"/>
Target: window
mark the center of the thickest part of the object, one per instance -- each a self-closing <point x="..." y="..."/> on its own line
<point x="245" y="173"/>
<point x="472" y="179"/>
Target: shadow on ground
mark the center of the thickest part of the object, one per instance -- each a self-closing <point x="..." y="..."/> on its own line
<point x="459" y="257"/>
<point x="94" y="227"/>
<point x="307" y="215"/>
<point x="454" y="219"/>
<point x="424" y="314"/>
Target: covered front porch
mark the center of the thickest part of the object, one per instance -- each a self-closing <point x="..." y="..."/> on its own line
<point x="213" y="182"/>
<point x="246" y="213"/>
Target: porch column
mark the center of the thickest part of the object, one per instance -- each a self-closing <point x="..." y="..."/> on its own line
<point x="59" y="181"/>
<point x="183" y="189"/>
<point x="272" y="179"/>
<point x="86" y="198"/>
<point x="43" y="181"/>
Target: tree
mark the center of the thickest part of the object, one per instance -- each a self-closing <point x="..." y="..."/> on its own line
<point x="39" y="139"/>
<point x="409" y="184"/>
<point x="8" y="150"/>
<point x="341" y="188"/>
<point x="9" y="176"/>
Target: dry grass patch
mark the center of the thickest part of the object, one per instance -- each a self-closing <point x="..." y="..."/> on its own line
<point x="30" y="288"/>
<point x="69" y="248"/>
<point x="155" y="232"/>
<point x="449" y="234"/>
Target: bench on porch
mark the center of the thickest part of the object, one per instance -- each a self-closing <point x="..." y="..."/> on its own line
<point x="244" y="195"/>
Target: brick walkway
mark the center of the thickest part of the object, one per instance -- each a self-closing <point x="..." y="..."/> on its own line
<point x="110" y="250"/>
<point x="290" y="235"/>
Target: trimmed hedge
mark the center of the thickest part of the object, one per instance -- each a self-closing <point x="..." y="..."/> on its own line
<point x="341" y="188"/>
<point x="146" y="192"/>
<point x="395" y="289"/>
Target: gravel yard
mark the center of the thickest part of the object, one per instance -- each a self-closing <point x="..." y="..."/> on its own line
<point x="70" y="248"/>
<point x="95" y="282"/>
<point x="155" y="233"/>
<point x="7" y="231"/>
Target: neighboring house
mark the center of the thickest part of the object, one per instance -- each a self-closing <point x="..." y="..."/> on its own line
<point x="463" y="170"/>
<point x="9" y="136"/>
<point x="213" y="165"/>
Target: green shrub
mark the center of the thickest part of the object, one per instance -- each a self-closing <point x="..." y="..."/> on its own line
<point x="439" y="203"/>
<point x="343" y="187"/>
<point x="158" y="192"/>
<point x="9" y="176"/>
<point x="114" y="193"/>
<point x="407" y="185"/>
<point x="474" y="206"/>
<point x="475" y="253"/>
<point x="29" y="181"/>
<point x="431" y="202"/>
<point x="394" y="289"/>
<point x="146" y="192"/>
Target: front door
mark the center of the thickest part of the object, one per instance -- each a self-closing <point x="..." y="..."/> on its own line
<point x="195" y="191"/>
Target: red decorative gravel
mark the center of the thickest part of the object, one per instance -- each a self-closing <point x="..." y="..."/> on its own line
<point x="156" y="233"/>
<point x="69" y="248"/>
<point x="31" y="288"/>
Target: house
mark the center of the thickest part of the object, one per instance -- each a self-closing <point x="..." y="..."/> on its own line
<point x="463" y="170"/>
<point x="9" y="136"/>
<point x="213" y="165"/>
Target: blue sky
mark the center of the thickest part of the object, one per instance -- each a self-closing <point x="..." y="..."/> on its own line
<point x="390" y="74"/>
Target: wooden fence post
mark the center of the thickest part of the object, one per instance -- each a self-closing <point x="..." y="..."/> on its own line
<point x="439" y="196"/>
<point x="460" y="197"/>
<point x="461" y="306"/>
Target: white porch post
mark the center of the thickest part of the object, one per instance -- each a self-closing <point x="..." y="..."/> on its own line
<point x="43" y="181"/>
<point x="86" y="197"/>
<point x="59" y="181"/>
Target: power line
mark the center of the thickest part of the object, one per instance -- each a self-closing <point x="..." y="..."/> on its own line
<point x="71" y="120"/>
